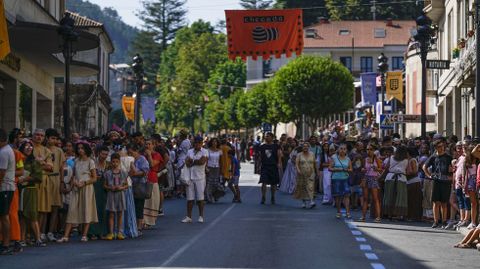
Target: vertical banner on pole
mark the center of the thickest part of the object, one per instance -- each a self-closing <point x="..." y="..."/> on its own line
<point x="128" y="106"/>
<point x="369" y="88"/>
<point x="148" y="108"/>
<point x="395" y="86"/>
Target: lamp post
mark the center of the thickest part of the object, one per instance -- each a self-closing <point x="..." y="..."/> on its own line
<point x="69" y="35"/>
<point x="424" y="38"/>
<point x="382" y="68"/>
<point x="137" y="67"/>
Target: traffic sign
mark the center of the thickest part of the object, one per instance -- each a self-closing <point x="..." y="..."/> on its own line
<point x="438" y="64"/>
<point x="405" y="118"/>
<point x="386" y="121"/>
<point x="267" y="127"/>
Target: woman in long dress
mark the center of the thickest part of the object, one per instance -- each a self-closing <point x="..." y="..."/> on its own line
<point x="82" y="208"/>
<point x="152" y="205"/>
<point x="305" y="164"/>
<point x="290" y="176"/>
<point x="395" y="199"/>
<point x="213" y="169"/>
<point x="129" y="219"/>
<point x="414" y="187"/>
<point x="327" y="152"/>
<point x="99" y="229"/>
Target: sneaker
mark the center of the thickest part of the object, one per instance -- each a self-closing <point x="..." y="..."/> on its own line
<point x="39" y="243"/>
<point x="312" y="205"/>
<point x="17" y="247"/>
<point x="450" y="226"/>
<point x="161" y="213"/>
<point x="120" y="236"/>
<point x="471" y="226"/>
<point x="51" y="237"/>
<point x="6" y="251"/>
<point x="63" y="240"/>
<point x="43" y="237"/>
<point x="444" y="225"/>
<point x="187" y="220"/>
<point x="109" y="237"/>
<point x="304" y="205"/>
<point x="23" y="244"/>
<point x="435" y="225"/>
<point x="201" y="220"/>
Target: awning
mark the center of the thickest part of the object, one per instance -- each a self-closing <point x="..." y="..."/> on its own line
<point x="38" y="42"/>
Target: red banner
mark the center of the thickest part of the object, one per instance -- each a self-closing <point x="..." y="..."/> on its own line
<point x="262" y="33"/>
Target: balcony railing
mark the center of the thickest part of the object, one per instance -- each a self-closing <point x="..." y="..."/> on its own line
<point x="467" y="58"/>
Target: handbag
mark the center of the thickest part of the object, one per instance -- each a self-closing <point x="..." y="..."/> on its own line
<point x="185" y="176"/>
<point x="141" y="188"/>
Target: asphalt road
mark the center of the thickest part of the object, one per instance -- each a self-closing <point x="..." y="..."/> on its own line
<point x="250" y="235"/>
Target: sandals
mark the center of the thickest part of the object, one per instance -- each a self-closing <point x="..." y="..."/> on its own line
<point x="362" y="219"/>
<point x="378" y="220"/>
<point x="460" y="245"/>
<point x="348" y="216"/>
<point x="339" y="215"/>
<point x="84" y="239"/>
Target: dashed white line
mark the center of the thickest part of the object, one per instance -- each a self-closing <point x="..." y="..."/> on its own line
<point x="356" y="232"/>
<point x="361" y="239"/>
<point x="365" y="247"/>
<point x="377" y="266"/>
<point x="371" y="256"/>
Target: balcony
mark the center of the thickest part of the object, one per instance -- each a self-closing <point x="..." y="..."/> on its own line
<point x="465" y="65"/>
<point x="434" y="9"/>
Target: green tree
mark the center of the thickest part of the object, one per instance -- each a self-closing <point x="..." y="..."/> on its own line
<point x="256" y="4"/>
<point x="227" y="77"/>
<point x="163" y="18"/>
<point x="312" y="86"/>
<point x="252" y="106"/>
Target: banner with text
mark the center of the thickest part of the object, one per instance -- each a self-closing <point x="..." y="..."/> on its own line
<point x="262" y="33"/>
<point x="395" y="86"/>
<point x="128" y="106"/>
<point x="369" y="88"/>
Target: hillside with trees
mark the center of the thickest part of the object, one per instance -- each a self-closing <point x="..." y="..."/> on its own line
<point x="121" y="33"/>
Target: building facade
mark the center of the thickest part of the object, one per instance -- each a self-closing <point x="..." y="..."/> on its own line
<point x="451" y="91"/>
<point x="90" y="86"/>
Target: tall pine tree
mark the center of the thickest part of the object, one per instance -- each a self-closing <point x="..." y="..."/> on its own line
<point x="256" y="4"/>
<point x="163" y="18"/>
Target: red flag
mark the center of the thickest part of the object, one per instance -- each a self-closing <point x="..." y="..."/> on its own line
<point x="262" y="33"/>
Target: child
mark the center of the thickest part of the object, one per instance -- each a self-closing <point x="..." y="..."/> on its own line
<point x="233" y="183"/>
<point x="66" y="189"/>
<point x="115" y="184"/>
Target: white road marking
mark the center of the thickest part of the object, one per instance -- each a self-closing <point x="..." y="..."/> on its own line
<point x="352" y="226"/>
<point x="361" y="239"/>
<point x="371" y="256"/>
<point x="365" y="247"/>
<point x="192" y="241"/>
<point x="377" y="266"/>
<point x="356" y="232"/>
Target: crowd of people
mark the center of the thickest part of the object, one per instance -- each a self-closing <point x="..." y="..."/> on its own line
<point x="436" y="179"/>
<point x="113" y="187"/>
<point x="109" y="188"/>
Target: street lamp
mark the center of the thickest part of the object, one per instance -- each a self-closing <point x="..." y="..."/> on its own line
<point x="382" y="68"/>
<point x="69" y="35"/>
<point x="137" y="67"/>
<point x="424" y="38"/>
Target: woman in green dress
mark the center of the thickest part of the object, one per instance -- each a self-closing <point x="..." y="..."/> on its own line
<point x="306" y="173"/>
<point x="100" y="229"/>
<point x="29" y="195"/>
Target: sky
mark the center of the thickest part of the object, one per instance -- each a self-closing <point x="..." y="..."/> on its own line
<point x="207" y="10"/>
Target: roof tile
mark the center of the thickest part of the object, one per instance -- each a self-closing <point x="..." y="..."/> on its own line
<point x="81" y="21"/>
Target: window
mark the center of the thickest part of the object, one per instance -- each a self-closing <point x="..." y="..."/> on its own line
<point x="344" y="32"/>
<point x="379" y="33"/>
<point x="347" y="62"/>
<point x="366" y="64"/>
<point x="397" y="63"/>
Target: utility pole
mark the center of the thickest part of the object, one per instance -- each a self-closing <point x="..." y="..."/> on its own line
<point x="373" y="9"/>
<point x="382" y="68"/>
<point x="137" y="67"/>
<point x="477" y="72"/>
